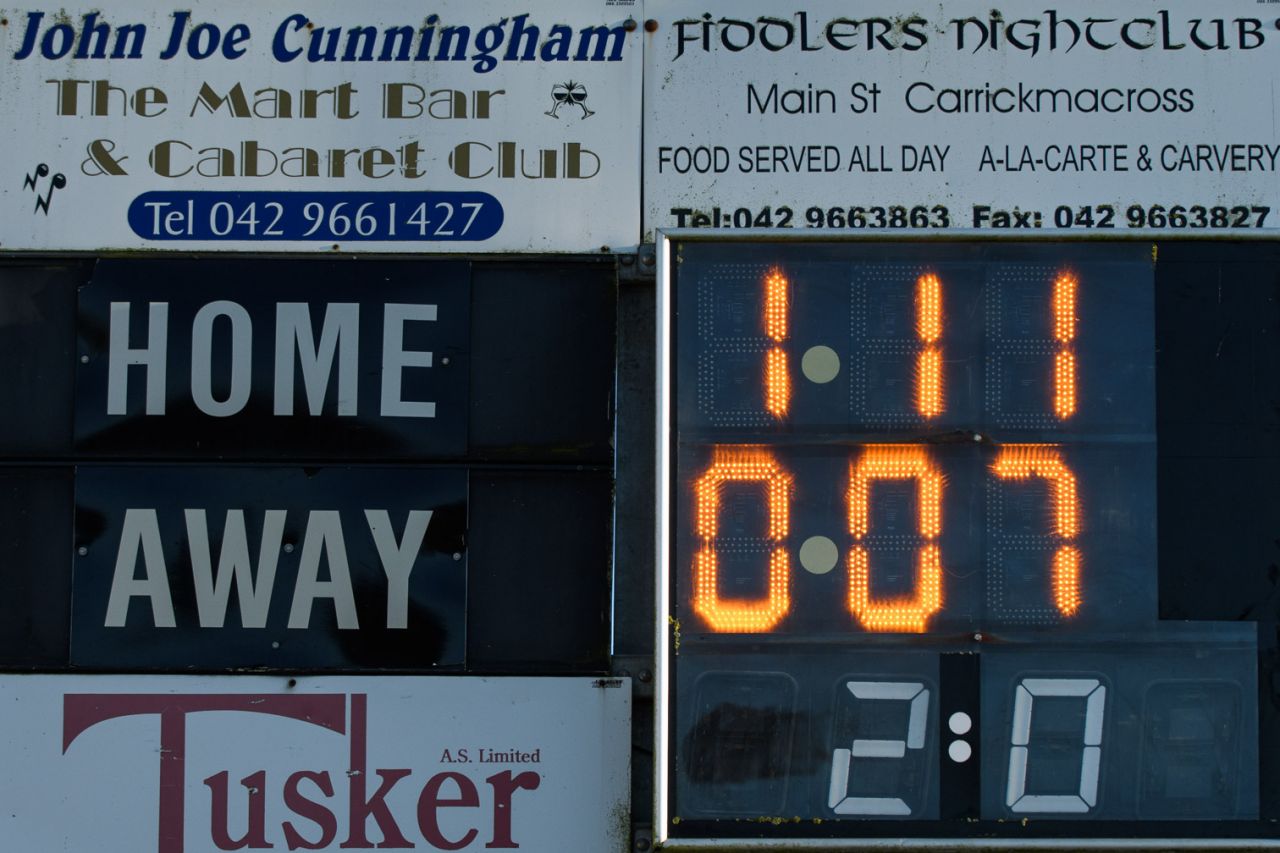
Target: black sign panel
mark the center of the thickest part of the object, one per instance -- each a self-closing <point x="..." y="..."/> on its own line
<point x="272" y="567"/>
<point x="190" y="392"/>
<point x="272" y="358"/>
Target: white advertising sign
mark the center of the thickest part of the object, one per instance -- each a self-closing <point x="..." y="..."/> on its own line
<point x="457" y="126"/>
<point x="194" y="764"/>
<point x="1025" y="115"/>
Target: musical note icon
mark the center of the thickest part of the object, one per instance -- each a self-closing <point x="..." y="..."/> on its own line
<point x="32" y="181"/>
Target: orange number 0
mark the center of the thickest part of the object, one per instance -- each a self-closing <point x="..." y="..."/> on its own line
<point x="896" y="462"/>
<point x="742" y="465"/>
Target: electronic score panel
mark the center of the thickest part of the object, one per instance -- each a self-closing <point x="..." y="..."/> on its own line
<point x="911" y="555"/>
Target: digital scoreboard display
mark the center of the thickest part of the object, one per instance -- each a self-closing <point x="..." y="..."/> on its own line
<point x="910" y="554"/>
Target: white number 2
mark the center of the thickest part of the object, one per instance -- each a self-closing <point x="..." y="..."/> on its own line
<point x="917" y="721"/>
<point x="1095" y="695"/>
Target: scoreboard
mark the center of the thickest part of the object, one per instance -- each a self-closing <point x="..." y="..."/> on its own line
<point x="914" y="580"/>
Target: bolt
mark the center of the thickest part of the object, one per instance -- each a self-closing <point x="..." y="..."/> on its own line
<point x="82" y="550"/>
<point x="647" y="259"/>
<point x="977" y="436"/>
<point x="977" y="638"/>
<point x="84" y="359"/>
<point x="444" y="360"/>
<point x="627" y="260"/>
<point x="630" y="25"/>
<point x="457" y="555"/>
<point x="288" y="547"/>
<point x="642" y="844"/>
<point x="651" y="26"/>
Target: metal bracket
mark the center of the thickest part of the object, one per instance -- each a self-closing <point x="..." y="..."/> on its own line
<point x="642" y="266"/>
<point x="639" y="669"/>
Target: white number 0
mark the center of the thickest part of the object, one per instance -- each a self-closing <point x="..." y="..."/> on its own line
<point x="1016" y="796"/>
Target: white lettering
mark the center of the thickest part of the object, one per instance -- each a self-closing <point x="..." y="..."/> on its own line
<point x="395" y="359"/>
<point x="324" y="533"/>
<point x="398" y="560"/>
<point x="213" y="591"/>
<point x="340" y="337"/>
<point x="141" y="530"/>
<point x="202" y="358"/>
<point x="122" y="356"/>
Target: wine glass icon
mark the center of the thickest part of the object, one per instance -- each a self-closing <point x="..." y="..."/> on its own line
<point x="574" y="94"/>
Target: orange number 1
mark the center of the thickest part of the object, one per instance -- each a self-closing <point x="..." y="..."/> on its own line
<point x="777" y="382"/>
<point x="929" y="391"/>
<point x="1064" y="332"/>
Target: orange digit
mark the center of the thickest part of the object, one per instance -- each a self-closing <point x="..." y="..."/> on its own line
<point x="1024" y="461"/>
<point x="896" y="462"/>
<point x="742" y="464"/>
<point x="929" y="331"/>
<point x="1064" y="332"/>
<point x="777" y="382"/>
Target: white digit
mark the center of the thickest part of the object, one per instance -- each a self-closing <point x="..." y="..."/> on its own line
<point x="313" y="212"/>
<point x="228" y="218"/>
<point x="272" y="230"/>
<point x="841" y="759"/>
<point x="366" y="224"/>
<point x="448" y="215"/>
<point x="474" y="207"/>
<point x="1016" y="797"/>
<point x="419" y="218"/>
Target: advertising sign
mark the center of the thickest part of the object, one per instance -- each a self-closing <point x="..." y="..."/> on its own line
<point x="172" y="764"/>
<point x="961" y="115"/>
<point x="462" y="127"/>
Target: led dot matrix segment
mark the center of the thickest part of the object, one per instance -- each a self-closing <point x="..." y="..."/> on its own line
<point x="777" y="381"/>
<point x="1064" y="332"/>
<point x="929" y="383"/>
<point x="984" y="383"/>
<point x="742" y="465"/>
<point x="895" y="462"/>
<point x="1023" y="462"/>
